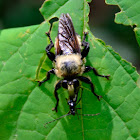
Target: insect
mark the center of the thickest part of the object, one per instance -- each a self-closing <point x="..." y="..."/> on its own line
<point x="69" y="62"/>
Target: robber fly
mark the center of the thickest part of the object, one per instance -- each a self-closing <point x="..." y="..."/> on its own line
<point x="69" y="61"/>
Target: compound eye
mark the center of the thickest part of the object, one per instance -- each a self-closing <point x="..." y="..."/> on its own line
<point x="64" y="84"/>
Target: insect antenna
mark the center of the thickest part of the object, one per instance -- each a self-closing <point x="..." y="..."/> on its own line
<point x="51" y="21"/>
<point x="68" y="115"/>
<point x="88" y="114"/>
<point x="57" y="119"/>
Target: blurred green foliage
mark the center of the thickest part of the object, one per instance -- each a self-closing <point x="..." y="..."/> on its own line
<point x="19" y="13"/>
<point x="120" y="37"/>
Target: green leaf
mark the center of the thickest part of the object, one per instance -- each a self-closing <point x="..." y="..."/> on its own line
<point x="26" y="107"/>
<point x="129" y="14"/>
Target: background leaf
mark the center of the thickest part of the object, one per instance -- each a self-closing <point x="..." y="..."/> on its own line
<point x="25" y="107"/>
<point x="129" y="14"/>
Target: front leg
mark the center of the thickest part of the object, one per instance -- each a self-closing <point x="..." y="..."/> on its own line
<point x="85" y="51"/>
<point x="61" y="83"/>
<point x="89" y="68"/>
<point x="86" y="80"/>
<point x="47" y="76"/>
<point x="76" y="89"/>
<point x="58" y="85"/>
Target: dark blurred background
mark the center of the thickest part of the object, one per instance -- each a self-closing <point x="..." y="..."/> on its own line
<point x="19" y="13"/>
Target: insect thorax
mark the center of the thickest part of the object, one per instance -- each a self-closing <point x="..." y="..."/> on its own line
<point x="69" y="65"/>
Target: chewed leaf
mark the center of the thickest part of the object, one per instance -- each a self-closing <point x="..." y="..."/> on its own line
<point x="129" y="14"/>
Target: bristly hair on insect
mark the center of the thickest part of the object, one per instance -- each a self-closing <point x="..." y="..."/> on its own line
<point x="69" y="62"/>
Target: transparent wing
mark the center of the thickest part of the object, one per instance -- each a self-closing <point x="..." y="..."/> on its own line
<point x="67" y="38"/>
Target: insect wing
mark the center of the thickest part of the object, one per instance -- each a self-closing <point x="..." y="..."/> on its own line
<point x="67" y="38"/>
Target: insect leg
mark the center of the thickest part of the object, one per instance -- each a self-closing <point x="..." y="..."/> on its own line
<point x="87" y="80"/>
<point x="47" y="76"/>
<point x="58" y="85"/>
<point x="85" y="34"/>
<point x="89" y="68"/>
<point x="65" y="85"/>
<point x="76" y="88"/>
<point x="48" y="48"/>
<point x="75" y="83"/>
<point x="62" y="83"/>
<point x="85" y="51"/>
